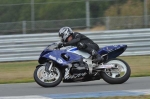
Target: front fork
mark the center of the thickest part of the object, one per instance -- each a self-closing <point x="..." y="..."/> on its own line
<point x="48" y="66"/>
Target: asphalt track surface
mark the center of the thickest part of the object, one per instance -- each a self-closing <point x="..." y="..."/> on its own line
<point x="24" y="89"/>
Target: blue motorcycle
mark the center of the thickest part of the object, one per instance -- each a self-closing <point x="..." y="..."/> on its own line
<point x="69" y="64"/>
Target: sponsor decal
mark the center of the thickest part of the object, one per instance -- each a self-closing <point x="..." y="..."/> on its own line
<point x="116" y="47"/>
<point x="52" y="57"/>
<point x="75" y="76"/>
<point x="59" y="60"/>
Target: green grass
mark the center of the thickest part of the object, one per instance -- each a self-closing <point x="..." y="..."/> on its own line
<point x="125" y="97"/>
<point x="17" y="72"/>
<point x="140" y="65"/>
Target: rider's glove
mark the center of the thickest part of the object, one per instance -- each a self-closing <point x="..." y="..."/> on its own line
<point x="60" y="45"/>
<point x="64" y="44"/>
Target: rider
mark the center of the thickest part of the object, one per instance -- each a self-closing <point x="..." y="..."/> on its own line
<point x="70" y="38"/>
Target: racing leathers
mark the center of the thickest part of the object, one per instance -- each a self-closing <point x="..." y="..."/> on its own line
<point x="84" y="43"/>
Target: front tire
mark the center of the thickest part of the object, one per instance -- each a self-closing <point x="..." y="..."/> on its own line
<point x="122" y="76"/>
<point x="46" y="79"/>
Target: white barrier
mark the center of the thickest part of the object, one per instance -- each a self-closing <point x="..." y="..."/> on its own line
<point x="29" y="46"/>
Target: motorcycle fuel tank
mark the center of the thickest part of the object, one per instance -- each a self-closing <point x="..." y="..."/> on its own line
<point x="76" y="51"/>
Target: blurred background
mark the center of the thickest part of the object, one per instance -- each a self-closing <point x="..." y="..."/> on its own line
<point x="28" y="26"/>
<point x="38" y="16"/>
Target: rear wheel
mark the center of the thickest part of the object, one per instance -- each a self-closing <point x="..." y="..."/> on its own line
<point x="45" y="79"/>
<point x="117" y="75"/>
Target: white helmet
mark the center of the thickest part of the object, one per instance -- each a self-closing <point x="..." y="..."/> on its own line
<point x="65" y="32"/>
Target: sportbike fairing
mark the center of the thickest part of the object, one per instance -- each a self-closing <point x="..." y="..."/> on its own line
<point x="57" y="55"/>
<point x="50" y="52"/>
<point x="74" y="54"/>
<point x="113" y="51"/>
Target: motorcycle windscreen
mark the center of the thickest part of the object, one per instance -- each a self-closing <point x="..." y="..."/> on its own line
<point x="113" y="51"/>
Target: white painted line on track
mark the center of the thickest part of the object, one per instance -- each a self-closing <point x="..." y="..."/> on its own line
<point x="144" y="91"/>
<point x="84" y="94"/>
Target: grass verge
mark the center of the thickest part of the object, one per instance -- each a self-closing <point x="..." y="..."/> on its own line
<point x="125" y="97"/>
<point x="18" y="72"/>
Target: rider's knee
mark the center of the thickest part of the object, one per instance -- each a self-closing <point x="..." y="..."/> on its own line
<point x="81" y="46"/>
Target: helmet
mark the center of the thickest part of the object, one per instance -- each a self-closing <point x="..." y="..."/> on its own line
<point x="65" y="32"/>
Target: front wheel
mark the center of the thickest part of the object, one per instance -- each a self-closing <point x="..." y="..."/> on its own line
<point x="117" y="75"/>
<point x="47" y="79"/>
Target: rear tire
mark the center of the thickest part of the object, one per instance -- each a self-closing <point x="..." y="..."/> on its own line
<point x="117" y="80"/>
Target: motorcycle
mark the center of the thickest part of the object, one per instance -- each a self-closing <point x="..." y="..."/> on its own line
<point x="69" y="64"/>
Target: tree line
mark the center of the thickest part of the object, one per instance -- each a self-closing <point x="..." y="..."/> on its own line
<point x="20" y="10"/>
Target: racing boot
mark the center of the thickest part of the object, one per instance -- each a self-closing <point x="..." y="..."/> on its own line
<point x="96" y="57"/>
